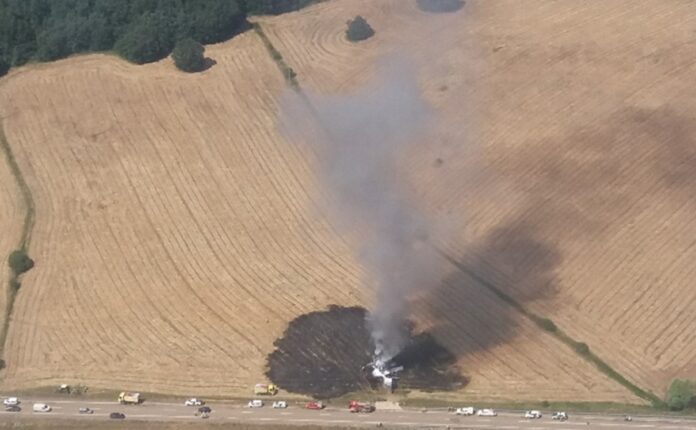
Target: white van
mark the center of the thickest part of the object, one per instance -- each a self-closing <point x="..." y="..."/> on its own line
<point x="486" y="413"/>
<point x="255" y="404"/>
<point x="11" y="401"/>
<point x="41" y="407"/>
<point x="468" y="411"/>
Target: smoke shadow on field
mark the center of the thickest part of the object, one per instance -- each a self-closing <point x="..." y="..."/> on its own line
<point x="475" y="308"/>
<point x="428" y="366"/>
<point x="322" y="354"/>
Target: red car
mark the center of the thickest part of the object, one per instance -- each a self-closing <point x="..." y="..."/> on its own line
<point x="314" y="405"/>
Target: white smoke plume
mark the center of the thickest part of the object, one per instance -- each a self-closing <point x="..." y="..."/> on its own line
<point x="362" y="138"/>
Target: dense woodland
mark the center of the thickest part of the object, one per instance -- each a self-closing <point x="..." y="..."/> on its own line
<point x="140" y="31"/>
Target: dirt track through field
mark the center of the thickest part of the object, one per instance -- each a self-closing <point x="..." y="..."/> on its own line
<point x="178" y="233"/>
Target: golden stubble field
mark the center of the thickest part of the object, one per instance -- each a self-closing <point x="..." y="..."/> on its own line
<point x="177" y="232"/>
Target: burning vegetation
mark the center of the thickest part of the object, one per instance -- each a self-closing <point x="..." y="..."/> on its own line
<point x="324" y="354"/>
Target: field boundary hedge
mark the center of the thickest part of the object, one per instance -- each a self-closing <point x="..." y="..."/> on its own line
<point x="287" y="71"/>
<point x="550" y="327"/>
<point x="25" y="239"/>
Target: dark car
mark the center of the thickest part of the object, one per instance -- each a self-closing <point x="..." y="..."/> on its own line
<point x="13" y="408"/>
<point x="203" y="410"/>
<point x="117" y="416"/>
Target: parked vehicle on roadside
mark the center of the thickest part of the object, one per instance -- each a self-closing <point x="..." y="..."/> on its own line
<point x="355" y="406"/>
<point x="314" y="405"/>
<point x="125" y="398"/>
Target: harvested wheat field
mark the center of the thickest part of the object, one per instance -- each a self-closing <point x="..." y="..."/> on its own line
<point x="565" y="156"/>
<point x="178" y="232"/>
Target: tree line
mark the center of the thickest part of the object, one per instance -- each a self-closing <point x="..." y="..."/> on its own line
<point x="140" y="31"/>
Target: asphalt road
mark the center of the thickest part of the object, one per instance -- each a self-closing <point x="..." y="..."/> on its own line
<point x="296" y="414"/>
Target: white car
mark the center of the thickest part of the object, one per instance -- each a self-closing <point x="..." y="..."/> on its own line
<point x="11" y="401"/>
<point x="561" y="416"/>
<point x="193" y="402"/>
<point x="487" y="413"/>
<point x="532" y="414"/>
<point x="465" y="411"/>
<point x="255" y="404"/>
<point x="41" y="407"/>
<point x="280" y="404"/>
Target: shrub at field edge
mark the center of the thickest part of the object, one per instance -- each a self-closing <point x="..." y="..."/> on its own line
<point x="681" y="395"/>
<point x="189" y="55"/>
<point x="20" y="262"/>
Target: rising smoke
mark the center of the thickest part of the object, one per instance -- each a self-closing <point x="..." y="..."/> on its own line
<point x="362" y="139"/>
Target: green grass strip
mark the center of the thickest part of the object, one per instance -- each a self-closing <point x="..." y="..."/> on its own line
<point x="27" y="226"/>
<point x="547" y="325"/>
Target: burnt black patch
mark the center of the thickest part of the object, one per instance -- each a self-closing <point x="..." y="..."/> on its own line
<point x="322" y="354"/>
<point x="428" y="366"/>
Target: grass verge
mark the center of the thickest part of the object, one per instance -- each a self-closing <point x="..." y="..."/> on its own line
<point x="289" y="74"/>
<point x="547" y="325"/>
<point x="23" y="245"/>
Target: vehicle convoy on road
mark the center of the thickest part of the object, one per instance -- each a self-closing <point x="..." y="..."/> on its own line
<point x="532" y="415"/>
<point x="468" y="411"/>
<point x="265" y="390"/>
<point x="360" y="407"/>
<point x="129" y="398"/>
<point x="41" y="407"/>
<point x="314" y="405"/>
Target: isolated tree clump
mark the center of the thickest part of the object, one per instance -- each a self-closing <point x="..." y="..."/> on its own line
<point x="359" y="29"/>
<point x="680" y="395"/>
<point x="188" y="55"/>
<point x="20" y="262"/>
<point x="440" y="6"/>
